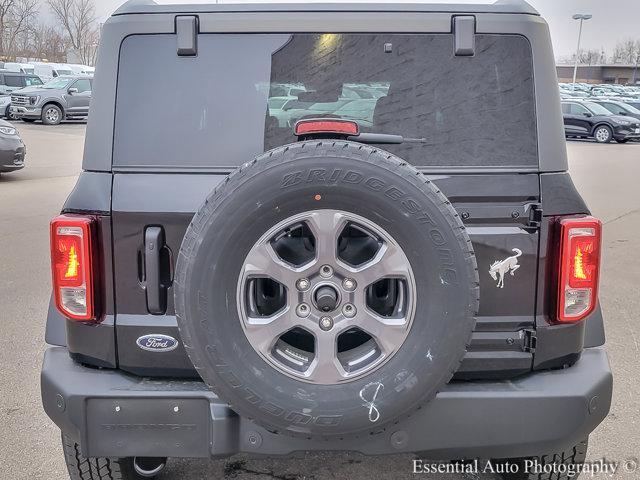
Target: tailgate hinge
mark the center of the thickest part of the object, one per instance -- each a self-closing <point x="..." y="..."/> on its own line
<point x="187" y="29"/>
<point x="535" y="215"/>
<point x="530" y="340"/>
<point x="464" y="35"/>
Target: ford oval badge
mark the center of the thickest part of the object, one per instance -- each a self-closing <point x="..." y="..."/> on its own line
<point x="157" y="343"/>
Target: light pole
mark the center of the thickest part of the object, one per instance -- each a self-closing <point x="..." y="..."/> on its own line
<point x="582" y="17"/>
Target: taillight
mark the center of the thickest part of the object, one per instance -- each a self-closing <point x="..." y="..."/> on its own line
<point x="311" y="126"/>
<point x="72" y="265"/>
<point x="579" y="264"/>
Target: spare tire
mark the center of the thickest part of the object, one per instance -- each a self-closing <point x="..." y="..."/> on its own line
<point x="325" y="289"/>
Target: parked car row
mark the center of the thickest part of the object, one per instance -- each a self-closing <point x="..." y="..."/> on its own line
<point x="602" y="112"/>
<point x="289" y="103"/>
<point x="585" y="90"/>
<point x="592" y="119"/>
<point x="47" y="70"/>
<point x="26" y="96"/>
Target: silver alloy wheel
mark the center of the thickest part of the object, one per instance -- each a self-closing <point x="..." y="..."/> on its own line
<point x="603" y="134"/>
<point x="338" y="347"/>
<point x="52" y="115"/>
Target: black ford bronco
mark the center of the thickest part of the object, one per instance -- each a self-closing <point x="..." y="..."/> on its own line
<point x="347" y="227"/>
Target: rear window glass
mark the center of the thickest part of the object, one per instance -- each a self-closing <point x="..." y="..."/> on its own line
<point x="243" y="94"/>
<point x="29" y="81"/>
<point x="12" y="81"/>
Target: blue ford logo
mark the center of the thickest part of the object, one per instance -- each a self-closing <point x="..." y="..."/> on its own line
<point x="157" y="343"/>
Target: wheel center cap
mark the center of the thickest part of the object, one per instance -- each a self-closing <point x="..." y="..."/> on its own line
<point x="326" y="298"/>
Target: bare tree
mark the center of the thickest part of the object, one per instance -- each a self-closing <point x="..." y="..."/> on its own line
<point x="16" y="18"/>
<point x="626" y="52"/>
<point x="46" y="42"/>
<point x="592" y="57"/>
<point x="78" y="20"/>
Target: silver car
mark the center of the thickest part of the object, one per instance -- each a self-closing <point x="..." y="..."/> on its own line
<point x="63" y="98"/>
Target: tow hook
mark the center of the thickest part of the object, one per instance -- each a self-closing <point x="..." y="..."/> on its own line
<point x="149" y="467"/>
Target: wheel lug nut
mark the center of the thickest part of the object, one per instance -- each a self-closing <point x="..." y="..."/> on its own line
<point x="349" y="284"/>
<point x="349" y="310"/>
<point x="326" y="323"/>
<point x="326" y="271"/>
<point x="303" y="310"/>
<point x="303" y="284"/>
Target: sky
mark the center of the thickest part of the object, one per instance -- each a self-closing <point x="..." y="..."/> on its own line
<point x="613" y="20"/>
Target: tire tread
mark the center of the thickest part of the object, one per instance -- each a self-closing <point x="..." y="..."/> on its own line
<point x="575" y="455"/>
<point x="101" y="468"/>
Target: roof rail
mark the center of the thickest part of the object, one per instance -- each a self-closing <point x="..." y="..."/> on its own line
<point x="499" y="6"/>
<point x="131" y="5"/>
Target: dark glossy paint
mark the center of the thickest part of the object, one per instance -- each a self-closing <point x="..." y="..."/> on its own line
<point x="560" y="196"/>
<point x="92" y="193"/>
<point x="500" y="210"/>
<point x="495" y="209"/>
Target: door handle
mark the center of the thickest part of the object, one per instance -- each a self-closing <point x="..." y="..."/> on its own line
<point x="156" y="291"/>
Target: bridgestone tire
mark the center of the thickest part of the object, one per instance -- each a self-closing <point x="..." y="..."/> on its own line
<point x="82" y="468"/>
<point x="302" y="177"/>
<point x="567" y="458"/>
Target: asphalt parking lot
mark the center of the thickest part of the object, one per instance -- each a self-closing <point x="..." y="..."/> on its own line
<point x="606" y="175"/>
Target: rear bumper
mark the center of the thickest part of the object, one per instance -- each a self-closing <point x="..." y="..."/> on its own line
<point x="113" y="414"/>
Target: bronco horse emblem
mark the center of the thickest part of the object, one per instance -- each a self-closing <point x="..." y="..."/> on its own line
<point x="501" y="267"/>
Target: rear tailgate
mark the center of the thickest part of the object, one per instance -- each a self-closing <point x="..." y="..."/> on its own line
<point x="471" y="118"/>
<point x="497" y="209"/>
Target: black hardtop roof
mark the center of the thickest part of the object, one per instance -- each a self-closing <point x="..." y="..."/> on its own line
<point x="500" y="6"/>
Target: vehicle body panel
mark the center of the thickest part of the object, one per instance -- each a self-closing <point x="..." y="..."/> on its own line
<point x="489" y="202"/>
<point x="550" y="142"/>
<point x="506" y="209"/>
<point x="454" y="426"/>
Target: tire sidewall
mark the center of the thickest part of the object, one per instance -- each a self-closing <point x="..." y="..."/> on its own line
<point x="609" y="133"/>
<point x="44" y="114"/>
<point x="413" y="212"/>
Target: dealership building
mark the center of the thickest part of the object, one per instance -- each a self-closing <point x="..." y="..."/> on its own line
<point x="622" y="74"/>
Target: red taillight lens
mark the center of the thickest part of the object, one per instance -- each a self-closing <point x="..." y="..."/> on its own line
<point x="311" y="126"/>
<point x="579" y="264"/>
<point x="72" y="265"/>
